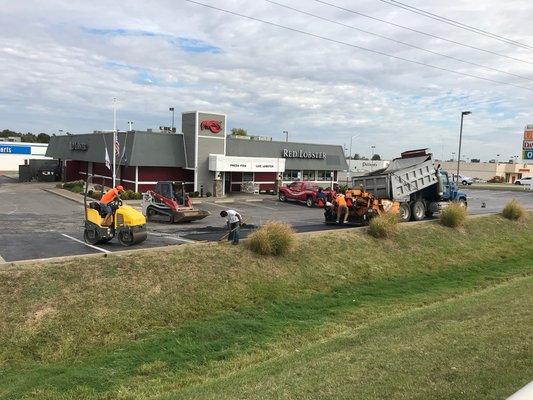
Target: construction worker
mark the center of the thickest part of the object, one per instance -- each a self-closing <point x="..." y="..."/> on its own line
<point x="342" y="208"/>
<point x="321" y="197"/>
<point x="108" y="197"/>
<point x="234" y="222"/>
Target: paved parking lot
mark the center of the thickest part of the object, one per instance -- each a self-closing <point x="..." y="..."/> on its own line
<point x="38" y="224"/>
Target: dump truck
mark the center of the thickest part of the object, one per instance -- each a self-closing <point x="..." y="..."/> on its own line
<point x="414" y="183"/>
<point x="169" y="202"/>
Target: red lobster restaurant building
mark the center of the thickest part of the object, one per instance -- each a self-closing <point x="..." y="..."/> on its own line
<point x="203" y="156"/>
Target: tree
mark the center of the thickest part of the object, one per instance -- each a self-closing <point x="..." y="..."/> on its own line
<point x="239" y="132"/>
<point x="43" y="138"/>
<point x="376" y="157"/>
<point x="356" y="157"/>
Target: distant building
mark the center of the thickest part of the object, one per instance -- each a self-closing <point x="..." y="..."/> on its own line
<point x="487" y="170"/>
<point x="361" y="167"/>
<point x="15" y="153"/>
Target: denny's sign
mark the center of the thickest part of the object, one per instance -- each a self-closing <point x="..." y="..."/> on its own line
<point x="527" y="144"/>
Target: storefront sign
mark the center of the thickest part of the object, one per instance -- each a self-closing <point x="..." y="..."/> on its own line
<point x="15" y="149"/>
<point x="528" y="144"/>
<point x="212" y="125"/>
<point x="528" y="155"/>
<point x="219" y="162"/>
<point x="78" y="146"/>
<point x="317" y="155"/>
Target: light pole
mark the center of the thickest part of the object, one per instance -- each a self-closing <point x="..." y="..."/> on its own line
<point x="114" y="139"/>
<point x="453" y="155"/>
<point x="350" y="156"/>
<point x="60" y="132"/>
<point x="286" y="135"/>
<point x="463" y="113"/>
<point x="130" y="124"/>
<point x="172" y="126"/>
<point x="372" y="149"/>
<point x="497" y="159"/>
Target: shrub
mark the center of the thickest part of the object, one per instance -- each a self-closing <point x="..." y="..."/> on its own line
<point x="454" y="215"/>
<point x="208" y="194"/>
<point x="196" y="194"/>
<point x="384" y="226"/>
<point x="513" y="210"/>
<point x="137" y="196"/>
<point x="273" y="238"/>
<point x="496" y="179"/>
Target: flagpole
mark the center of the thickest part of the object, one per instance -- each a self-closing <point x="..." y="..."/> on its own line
<point x="114" y="138"/>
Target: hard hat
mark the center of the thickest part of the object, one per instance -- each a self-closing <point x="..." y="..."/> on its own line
<point x="120" y="188"/>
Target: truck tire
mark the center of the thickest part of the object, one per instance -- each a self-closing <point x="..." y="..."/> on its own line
<point x="418" y="210"/>
<point x="404" y="213"/>
<point x="309" y="202"/>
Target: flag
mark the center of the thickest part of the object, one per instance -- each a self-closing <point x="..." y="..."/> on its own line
<point x="107" y="162"/>
<point x="117" y="148"/>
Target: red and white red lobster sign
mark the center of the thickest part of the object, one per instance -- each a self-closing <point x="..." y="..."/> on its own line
<point x="212" y="125"/>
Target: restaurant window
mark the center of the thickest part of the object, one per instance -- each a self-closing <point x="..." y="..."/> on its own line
<point x="323" y="176"/>
<point x="291" y="175"/>
<point x="247" y="176"/>
<point x="309" y="175"/>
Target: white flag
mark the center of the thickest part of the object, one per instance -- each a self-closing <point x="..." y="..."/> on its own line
<point x="107" y="162"/>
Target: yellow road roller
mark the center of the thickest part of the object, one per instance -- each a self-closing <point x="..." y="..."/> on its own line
<point x="126" y="223"/>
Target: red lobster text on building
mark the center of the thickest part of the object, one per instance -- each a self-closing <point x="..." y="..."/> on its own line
<point x="212" y="125"/>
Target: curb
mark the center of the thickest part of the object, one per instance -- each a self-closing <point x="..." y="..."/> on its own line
<point x="65" y="196"/>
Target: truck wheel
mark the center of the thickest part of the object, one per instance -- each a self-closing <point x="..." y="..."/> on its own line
<point x="309" y="202"/>
<point x="282" y="197"/>
<point x="404" y="213"/>
<point x="418" y="210"/>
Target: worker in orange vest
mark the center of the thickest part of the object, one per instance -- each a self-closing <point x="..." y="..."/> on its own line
<point x="342" y="208"/>
<point x="108" y="197"/>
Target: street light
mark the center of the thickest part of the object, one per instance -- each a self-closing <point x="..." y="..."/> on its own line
<point x="172" y="126"/>
<point x="286" y="135"/>
<point x="460" y="143"/>
<point x="350" y="156"/>
<point x="372" y="149"/>
<point x="453" y="155"/>
<point x="130" y="124"/>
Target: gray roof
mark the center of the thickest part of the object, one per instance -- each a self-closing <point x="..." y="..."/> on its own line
<point x="166" y="150"/>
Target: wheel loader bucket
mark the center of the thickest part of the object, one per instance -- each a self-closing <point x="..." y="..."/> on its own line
<point x="189" y="215"/>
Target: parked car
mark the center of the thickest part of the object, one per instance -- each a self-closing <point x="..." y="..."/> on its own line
<point x="304" y="192"/>
<point x="464" y="180"/>
<point x="524" y="181"/>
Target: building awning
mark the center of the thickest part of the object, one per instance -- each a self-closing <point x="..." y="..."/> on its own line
<point x="222" y="163"/>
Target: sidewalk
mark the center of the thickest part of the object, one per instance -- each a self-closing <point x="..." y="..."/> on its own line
<point x="499" y="186"/>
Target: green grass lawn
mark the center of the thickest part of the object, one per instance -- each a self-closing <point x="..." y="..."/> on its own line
<point x="432" y="313"/>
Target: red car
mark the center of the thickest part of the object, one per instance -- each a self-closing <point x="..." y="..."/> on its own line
<point x="304" y="192"/>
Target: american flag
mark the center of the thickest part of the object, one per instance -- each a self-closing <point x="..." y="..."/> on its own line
<point x="117" y="148"/>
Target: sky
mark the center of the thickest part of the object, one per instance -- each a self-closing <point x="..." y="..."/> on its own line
<point x="62" y="63"/>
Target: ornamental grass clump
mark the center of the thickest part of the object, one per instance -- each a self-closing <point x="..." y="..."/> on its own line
<point x="454" y="215"/>
<point x="273" y="238"/>
<point x="513" y="210"/>
<point x="384" y="226"/>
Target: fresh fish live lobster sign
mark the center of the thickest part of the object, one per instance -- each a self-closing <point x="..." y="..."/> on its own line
<point x="212" y="125"/>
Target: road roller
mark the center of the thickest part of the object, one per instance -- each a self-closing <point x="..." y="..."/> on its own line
<point x="126" y="223"/>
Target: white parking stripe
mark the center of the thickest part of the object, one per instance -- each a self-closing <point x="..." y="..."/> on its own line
<point x="2" y="260"/>
<point x="86" y="244"/>
<point x="180" y="239"/>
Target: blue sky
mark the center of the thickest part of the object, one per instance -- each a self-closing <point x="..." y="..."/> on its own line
<point x="61" y="68"/>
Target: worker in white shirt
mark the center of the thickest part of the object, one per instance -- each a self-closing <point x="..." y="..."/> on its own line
<point x="234" y="222"/>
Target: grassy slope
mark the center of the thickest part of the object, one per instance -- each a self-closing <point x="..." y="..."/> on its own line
<point x="148" y="325"/>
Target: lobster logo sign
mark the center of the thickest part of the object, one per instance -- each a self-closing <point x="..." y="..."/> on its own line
<point x="212" y="125"/>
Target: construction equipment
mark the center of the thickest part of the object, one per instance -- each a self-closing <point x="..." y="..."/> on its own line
<point x="414" y="182"/>
<point x="170" y="203"/>
<point x="128" y="224"/>
<point x="362" y="207"/>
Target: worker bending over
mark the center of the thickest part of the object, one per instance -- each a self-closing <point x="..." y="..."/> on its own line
<point x="342" y="208"/>
<point x="108" y="197"/>
<point x="234" y="222"/>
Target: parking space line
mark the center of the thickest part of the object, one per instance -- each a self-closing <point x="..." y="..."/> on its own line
<point x="2" y="260"/>
<point x="180" y="239"/>
<point x="86" y="244"/>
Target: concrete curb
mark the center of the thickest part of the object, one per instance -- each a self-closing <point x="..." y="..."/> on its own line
<point x="68" y="196"/>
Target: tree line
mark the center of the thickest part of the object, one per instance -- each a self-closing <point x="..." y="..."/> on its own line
<point x="26" y="137"/>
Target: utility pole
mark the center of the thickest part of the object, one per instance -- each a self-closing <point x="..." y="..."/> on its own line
<point x="460" y="143"/>
<point x="130" y="124"/>
<point x="350" y="156"/>
<point x="114" y="139"/>
<point x="286" y="135"/>
<point x="372" y="148"/>
<point x="172" y="126"/>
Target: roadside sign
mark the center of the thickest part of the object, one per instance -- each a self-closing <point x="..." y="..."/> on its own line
<point x="15" y="149"/>
<point x="528" y="155"/>
<point x="528" y="145"/>
<point x="528" y="135"/>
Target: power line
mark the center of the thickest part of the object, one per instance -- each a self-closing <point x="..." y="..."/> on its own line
<point x="355" y="46"/>
<point x="397" y="41"/>
<point x="421" y="32"/>
<point x="454" y="23"/>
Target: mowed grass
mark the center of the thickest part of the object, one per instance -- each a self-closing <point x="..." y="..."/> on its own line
<point x="183" y="323"/>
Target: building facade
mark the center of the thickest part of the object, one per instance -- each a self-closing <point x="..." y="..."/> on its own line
<point x="203" y="156"/>
<point x="15" y="153"/>
<point x="485" y="171"/>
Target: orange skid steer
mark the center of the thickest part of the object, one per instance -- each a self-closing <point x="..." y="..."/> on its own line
<point x="170" y="203"/>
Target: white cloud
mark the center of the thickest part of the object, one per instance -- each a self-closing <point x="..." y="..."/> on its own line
<point x="63" y="62"/>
